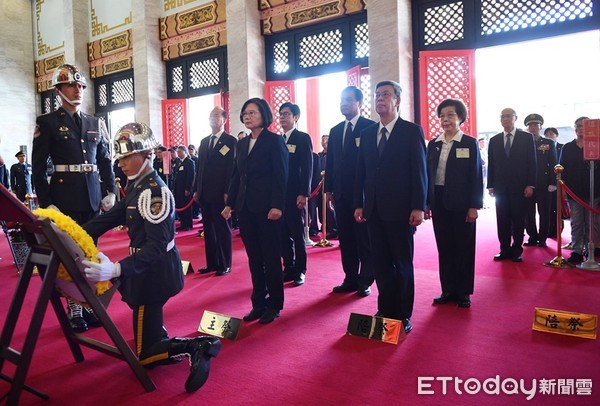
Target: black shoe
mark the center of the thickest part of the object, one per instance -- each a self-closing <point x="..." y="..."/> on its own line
<point x="78" y="324"/>
<point x="500" y="257"/>
<point x="254" y="314"/>
<point x="464" y="301"/>
<point x="90" y="317"/>
<point x="289" y="274"/>
<point x="530" y="243"/>
<point x="206" y="348"/>
<point x="517" y="258"/>
<point x="363" y="291"/>
<point x="407" y="326"/>
<point x="345" y="288"/>
<point x="299" y="279"/>
<point x="222" y="272"/>
<point x="542" y="244"/>
<point x="206" y="270"/>
<point x="576" y="258"/>
<point x="269" y="316"/>
<point x="443" y="298"/>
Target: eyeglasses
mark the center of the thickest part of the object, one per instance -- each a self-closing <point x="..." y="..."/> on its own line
<point x="250" y="113"/>
<point x="384" y="95"/>
<point x="285" y="114"/>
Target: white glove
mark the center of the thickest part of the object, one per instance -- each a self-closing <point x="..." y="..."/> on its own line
<point x="551" y="188"/>
<point x="103" y="271"/>
<point x="108" y="202"/>
<point x="53" y="207"/>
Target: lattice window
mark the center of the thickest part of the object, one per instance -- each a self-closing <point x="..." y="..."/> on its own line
<point x="509" y="15"/>
<point x="102" y="95"/>
<point x="444" y="23"/>
<point x="361" y="41"/>
<point x="365" y="86"/>
<point x="122" y="91"/>
<point x="321" y="49"/>
<point x="50" y="101"/>
<point x="447" y="77"/>
<point x="57" y="102"/>
<point x="276" y="94"/>
<point x="47" y="105"/>
<point x="176" y="125"/>
<point x="177" y="79"/>
<point x="204" y="73"/>
<point x="281" y="57"/>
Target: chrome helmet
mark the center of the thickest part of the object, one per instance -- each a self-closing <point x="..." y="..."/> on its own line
<point x="68" y="74"/>
<point x="133" y="138"/>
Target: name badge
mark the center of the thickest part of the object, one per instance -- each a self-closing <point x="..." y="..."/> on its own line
<point x="462" y="152"/>
<point x="224" y="150"/>
<point x="357" y="141"/>
<point x="181" y="168"/>
<point x="291" y="148"/>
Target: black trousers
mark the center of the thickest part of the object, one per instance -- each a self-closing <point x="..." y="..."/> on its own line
<point x="151" y="340"/>
<point x="262" y="239"/>
<point x="392" y="244"/>
<point x="185" y="216"/>
<point x="217" y="236"/>
<point x="355" y="246"/>
<point x="293" y="249"/>
<point x="455" y="239"/>
<point x="510" y="220"/>
<point x="541" y="198"/>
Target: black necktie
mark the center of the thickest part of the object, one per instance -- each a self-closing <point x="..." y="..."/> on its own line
<point x="77" y="119"/>
<point x="382" y="141"/>
<point x="508" y="144"/>
<point x="348" y="136"/>
<point x="211" y="144"/>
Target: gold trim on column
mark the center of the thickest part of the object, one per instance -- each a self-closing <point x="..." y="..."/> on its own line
<point x="43" y="49"/>
<point x="99" y="27"/>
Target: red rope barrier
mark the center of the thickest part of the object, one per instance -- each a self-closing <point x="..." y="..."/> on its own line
<point x="578" y="199"/>
<point x="316" y="191"/>
<point x="187" y="206"/>
<point x="122" y="192"/>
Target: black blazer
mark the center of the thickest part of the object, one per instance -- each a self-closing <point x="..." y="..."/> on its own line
<point x="399" y="177"/>
<point x="300" y="167"/>
<point x="214" y="169"/>
<point x="56" y="136"/>
<point x="546" y="159"/>
<point x="259" y="177"/>
<point x="184" y="177"/>
<point x="512" y="174"/>
<point x="463" y="186"/>
<point x="340" y="171"/>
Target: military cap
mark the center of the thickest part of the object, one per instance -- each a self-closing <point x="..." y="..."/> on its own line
<point x="20" y="153"/>
<point x="534" y="118"/>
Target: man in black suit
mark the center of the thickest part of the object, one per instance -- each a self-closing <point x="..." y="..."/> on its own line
<point x="183" y="188"/>
<point x="213" y="174"/>
<point x="390" y="196"/>
<point x="552" y="134"/>
<point x="20" y="177"/>
<point x="340" y="174"/>
<point x="544" y="186"/>
<point x="511" y="180"/>
<point x="299" y="146"/>
<point x="77" y="145"/>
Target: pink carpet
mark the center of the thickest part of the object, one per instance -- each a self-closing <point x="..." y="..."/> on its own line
<point x="305" y="357"/>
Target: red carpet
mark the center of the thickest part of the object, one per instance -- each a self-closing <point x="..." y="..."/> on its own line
<point x="305" y="358"/>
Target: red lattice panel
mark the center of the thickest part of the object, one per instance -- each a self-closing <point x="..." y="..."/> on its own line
<point x="447" y="75"/>
<point x="361" y="78"/>
<point x="277" y="93"/>
<point x="175" y="126"/>
<point x="227" y="106"/>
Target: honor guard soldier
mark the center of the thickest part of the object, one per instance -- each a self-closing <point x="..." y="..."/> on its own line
<point x="152" y="273"/>
<point x="77" y="145"/>
<point x="20" y="177"/>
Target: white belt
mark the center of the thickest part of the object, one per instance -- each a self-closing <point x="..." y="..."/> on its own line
<point x="79" y="168"/>
<point x="170" y="246"/>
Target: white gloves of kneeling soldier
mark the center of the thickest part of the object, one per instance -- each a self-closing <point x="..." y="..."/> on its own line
<point x="103" y="271"/>
<point x="108" y="202"/>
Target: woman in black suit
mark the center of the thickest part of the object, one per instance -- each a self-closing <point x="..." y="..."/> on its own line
<point x="455" y="193"/>
<point x="257" y="192"/>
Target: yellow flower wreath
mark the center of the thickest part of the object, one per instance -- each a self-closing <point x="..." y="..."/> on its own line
<point x="78" y="234"/>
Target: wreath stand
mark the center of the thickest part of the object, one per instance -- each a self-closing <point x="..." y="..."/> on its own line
<point x="47" y="252"/>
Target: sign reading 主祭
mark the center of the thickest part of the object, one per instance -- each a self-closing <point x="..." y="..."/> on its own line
<point x="375" y="328"/>
<point x="220" y="325"/>
<point x="566" y="323"/>
<point x="591" y="139"/>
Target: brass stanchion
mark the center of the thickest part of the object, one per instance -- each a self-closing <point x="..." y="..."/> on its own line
<point x="323" y="243"/>
<point x="558" y="261"/>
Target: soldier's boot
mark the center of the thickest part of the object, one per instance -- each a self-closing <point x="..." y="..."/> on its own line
<point x="75" y="314"/>
<point x="200" y="350"/>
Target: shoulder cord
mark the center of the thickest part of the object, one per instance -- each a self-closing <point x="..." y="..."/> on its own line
<point x="145" y="201"/>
